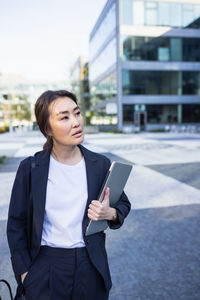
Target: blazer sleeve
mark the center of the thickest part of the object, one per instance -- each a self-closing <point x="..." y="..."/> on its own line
<point x="17" y="221"/>
<point x="122" y="207"/>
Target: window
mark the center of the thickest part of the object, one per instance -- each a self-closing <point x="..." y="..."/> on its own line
<point x="151" y="13"/>
<point x="176" y="49"/>
<point x="191" y="49"/>
<point x="104" y="61"/>
<point x="175" y="15"/>
<point x="191" y="83"/>
<point x="128" y="114"/>
<point x="104" y="89"/>
<point x="196" y="11"/>
<point x="160" y="82"/>
<point x="105" y="29"/>
<point x="163" y="54"/>
<point x="161" y="114"/>
<point x="150" y="82"/>
<point x="191" y="113"/>
<point x="163" y="14"/>
<point x="127" y="9"/>
<point x="187" y="14"/>
<point x="139" y="48"/>
<point x="138" y="13"/>
<point x="161" y="49"/>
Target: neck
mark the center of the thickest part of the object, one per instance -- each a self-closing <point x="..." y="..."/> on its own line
<point x="66" y="154"/>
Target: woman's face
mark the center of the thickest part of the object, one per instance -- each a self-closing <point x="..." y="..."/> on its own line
<point x="66" y="122"/>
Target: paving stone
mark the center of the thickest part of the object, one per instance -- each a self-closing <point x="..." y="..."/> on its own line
<point x="187" y="172"/>
<point x="155" y="255"/>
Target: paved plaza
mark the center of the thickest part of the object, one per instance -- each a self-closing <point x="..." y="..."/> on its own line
<point x="156" y="254"/>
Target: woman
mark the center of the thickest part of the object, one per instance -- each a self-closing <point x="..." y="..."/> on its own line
<point x="52" y="201"/>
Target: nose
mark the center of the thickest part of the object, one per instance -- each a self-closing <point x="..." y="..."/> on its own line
<point x="75" y="122"/>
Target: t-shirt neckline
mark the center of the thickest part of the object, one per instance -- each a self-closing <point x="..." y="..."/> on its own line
<point x="66" y="165"/>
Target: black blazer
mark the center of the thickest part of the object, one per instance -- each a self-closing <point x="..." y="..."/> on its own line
<point x="27" y="207"/>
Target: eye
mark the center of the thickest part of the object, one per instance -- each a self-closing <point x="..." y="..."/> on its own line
<point x="78" y="113"/>
<point x="65" y="118"/>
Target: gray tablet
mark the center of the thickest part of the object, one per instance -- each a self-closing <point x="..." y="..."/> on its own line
<point x="116" y="179"/>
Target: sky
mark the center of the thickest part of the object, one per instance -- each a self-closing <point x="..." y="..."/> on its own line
<point x="43" y="38"/>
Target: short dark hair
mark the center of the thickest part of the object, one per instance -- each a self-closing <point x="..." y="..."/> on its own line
<point x="42" y="111"/>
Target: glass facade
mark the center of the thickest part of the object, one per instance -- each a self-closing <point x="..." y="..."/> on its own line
<point x="104" y="61"/>
<point x="162" y="114"/>
<point x="105" y="29"/>
<point x="138" y="13"/>
<point x="151" y="13"/>
<point x="160" y="48"/>
<point x="156" y="114"/>
<point x="191" y="113"/>
<point x="163" y="14"/>
<point x="135" y="12"/>
<point x="191" y="83"/>
<point x="103" y="58"/>
<point x="100" y="92"/>
<point x="104" y="89"/>
<point x="103" y="71"/>
<point x="128" y="114"/>
<point x="160" y="82"/>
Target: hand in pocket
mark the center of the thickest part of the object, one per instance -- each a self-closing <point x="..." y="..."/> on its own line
<point x="23" y="276"/>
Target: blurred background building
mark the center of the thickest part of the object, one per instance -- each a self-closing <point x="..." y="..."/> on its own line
<point x="144" y="64"/>
<point x="80" y="84"/>
<point x="17" y="98"/>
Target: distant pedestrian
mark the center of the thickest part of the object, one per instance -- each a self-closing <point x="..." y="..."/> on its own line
<point x="53" y="198"/>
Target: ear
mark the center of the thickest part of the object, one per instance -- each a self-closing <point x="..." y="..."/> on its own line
<point x="49" y="133"/>
<point x="48" y="130"/>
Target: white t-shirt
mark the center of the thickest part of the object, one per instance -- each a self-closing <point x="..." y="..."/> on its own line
<point x="66" y="200"/>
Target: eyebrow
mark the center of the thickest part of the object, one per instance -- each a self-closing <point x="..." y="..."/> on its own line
<point x="66" y="111"/>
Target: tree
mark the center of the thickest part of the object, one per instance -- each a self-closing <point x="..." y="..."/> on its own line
<point x="22" y="110"/>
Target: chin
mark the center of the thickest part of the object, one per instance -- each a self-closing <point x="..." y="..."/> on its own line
<point x="81" y="139"/>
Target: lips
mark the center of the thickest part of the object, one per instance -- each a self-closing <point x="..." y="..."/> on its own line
<point x="77" y="132"/>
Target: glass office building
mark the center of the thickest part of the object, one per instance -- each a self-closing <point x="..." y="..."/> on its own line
<point x="144" y="65"/>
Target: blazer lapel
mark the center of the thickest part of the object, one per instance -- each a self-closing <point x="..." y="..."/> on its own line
<point x="39" y="186"/>
<point x="92" y="181"/>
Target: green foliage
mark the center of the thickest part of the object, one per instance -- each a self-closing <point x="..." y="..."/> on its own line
<point x="2" y="158"/>
<point x="87" y="120"/>
<point x="157" y="130"/>
<point x="22" y="111"/>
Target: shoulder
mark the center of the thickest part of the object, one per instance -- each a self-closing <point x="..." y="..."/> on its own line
<point x="31" y="160"/>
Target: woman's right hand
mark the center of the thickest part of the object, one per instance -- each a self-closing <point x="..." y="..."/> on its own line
<point x="23" y="276"/>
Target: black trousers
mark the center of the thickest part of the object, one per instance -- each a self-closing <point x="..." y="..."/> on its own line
<point x="64" y="274"/>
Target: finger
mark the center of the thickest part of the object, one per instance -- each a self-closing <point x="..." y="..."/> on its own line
<point x="92" y="216"/>
<point x="95" y="209"/>
<point x="106" y="194"/>
<point x="107" y="191"/>
<point x="93" y="213"/>
<point x="96" y="214"/>
<point x="96" y="203"/>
